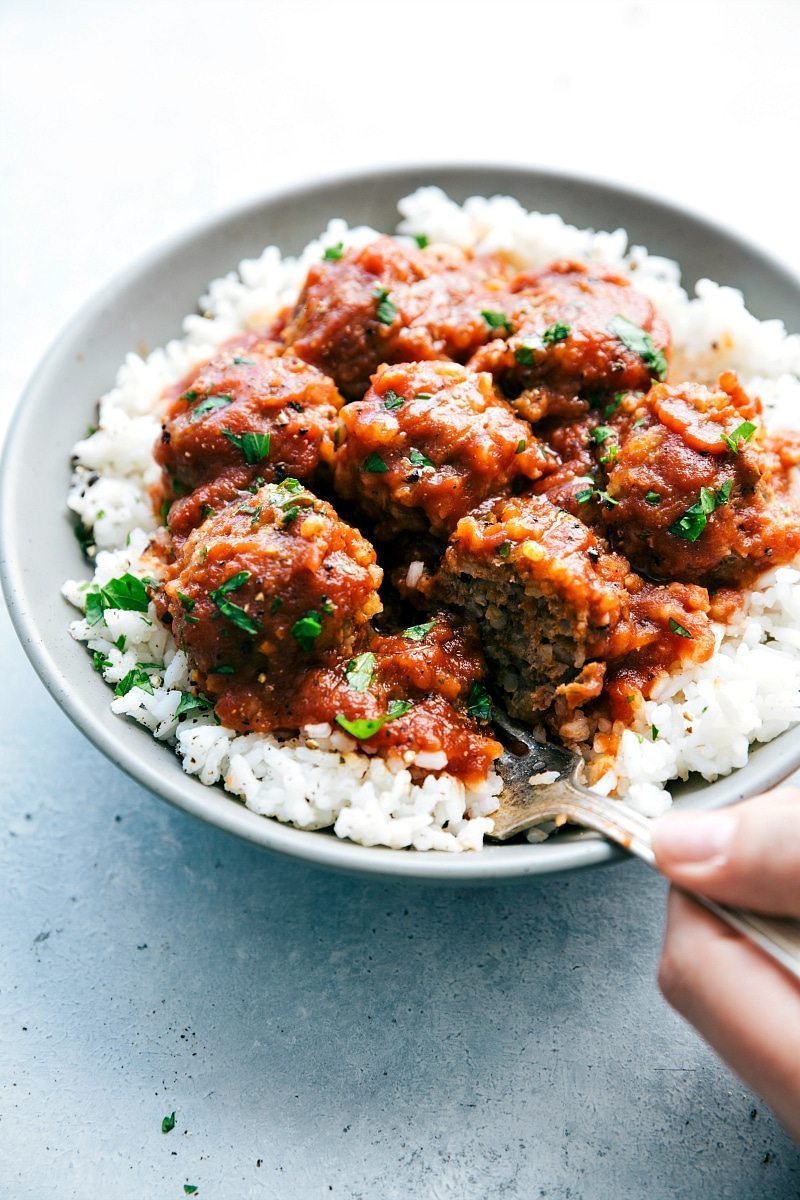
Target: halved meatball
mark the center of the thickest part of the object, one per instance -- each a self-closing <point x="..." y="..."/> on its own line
<point x="549" y="597"/>
<point x="264" y="588"/>
<point x="386" y="303"/>
<point x="696" y="492"/>
<point x="252" y="410"/>
<point x="430" y="441"/>
<point x="570" y="331"/>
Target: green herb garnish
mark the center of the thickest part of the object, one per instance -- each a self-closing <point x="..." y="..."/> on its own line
<point x="386" y="309"/>
<point x="191" y="702"/>
<point x="127" y="593"/>
<point x="601" y="433"/>
<point x="418" y="459"/>
<point x="652" y="498"/>
<point x="497" y="320"/>
<point x="306" y="631"/>
<point x="694" y="520"/>
<point x="479" y="705"/>
<point x="138" y="677"/>
<point x="360" y="671"/>
<point x="612" y="407"/>
<point x="392" y="401"/>
<point x="373" y="464"/>
<point x="254" y="446"/>
<point x="190" y="1188"/>
<point x="422" y="240"/>
<point x="168" y="1124"/>
<point x="742" y="433"/>
<point x="212" y="403"/>
<point x="334" y="253"/>
<point x="99" y="660"/>
<point x="366" y="727"/>
<point x="187" y="603"/>
<point x="504" y="549"/>
<point x="638" y="341"/>
<point x="236" y="615"/>
<point x="676" y="627"/>
<point x="240" y="361"/>
<point x="521" y="445"/>
<point x="556" y="333"/>
<point x="417" y="632"/>
<point x="524" y="353"/>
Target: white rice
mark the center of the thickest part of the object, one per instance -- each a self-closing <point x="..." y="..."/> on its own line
<point x="705" y="717"/>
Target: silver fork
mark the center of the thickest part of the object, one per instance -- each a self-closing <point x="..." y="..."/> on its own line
<point x="524" y="805"/>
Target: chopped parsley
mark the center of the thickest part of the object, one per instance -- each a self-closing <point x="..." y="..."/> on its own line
<point x="373" y="464"/>
<point x="127" y="592"/>
<point x="653" y="732"/>
<point x="236" y="615"/>
<point x="521" y="446"/>
<point x="366" y="727"/>
<point x="254" y="446"/>
<point x="638" y="341"/>
<point x="422" y="240"/>
<point x="223" y="670"/>
<point x="187" y="603"/>
<point x="680" y="630"/>
<point x="610" y="454"/>
<point x="190" y="1188"/>
<point x="212" y="403"/>
<point x="478" y="703"/>
<point x="742" y="433"/>
<point x="240" y="361"/>
<point x="417" y="632"/>
<point x="556" y="333"/>
<point x="334" y="253"/>
<point x="191" y="702"/>
<point x="524" y="353"/>
<point x="694" y="520"/>
<point x="121" y="642"/>
<point x="504" y="549"/>
<point x="497" y="320"/>
<point x="591" y="493"/>
<point x="99" y="660"/>
<point x="168" y="1124"/>
<point x="289" y="514"/>
<point x="276" y="604"/>
<point x="360" y="671"/>
<point x="652" y="498"/>
<point x="418" y="459"/>
<point x="306" y="631"/>
<point x="138" y="677"/>
<point x="392" y="401"/>
<point x="614" y="404"/>
<point x="386" y="309"/>
<point x="601" y="433"/>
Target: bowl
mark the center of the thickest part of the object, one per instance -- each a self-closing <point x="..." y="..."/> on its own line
<point x="145" y="305"/>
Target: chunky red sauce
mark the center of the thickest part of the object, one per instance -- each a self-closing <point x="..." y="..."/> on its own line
<point x="558" y="521"/>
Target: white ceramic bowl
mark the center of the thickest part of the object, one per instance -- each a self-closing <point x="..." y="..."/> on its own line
<point x="145" y="305"/>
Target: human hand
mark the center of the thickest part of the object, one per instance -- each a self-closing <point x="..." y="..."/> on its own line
<point x="744" y="1005"/>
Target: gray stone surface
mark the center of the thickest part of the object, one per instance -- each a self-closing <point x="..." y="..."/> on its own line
<point x="321" y="1036"/>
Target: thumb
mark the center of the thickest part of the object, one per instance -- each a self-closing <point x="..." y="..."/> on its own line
<point x="746" y="855"/>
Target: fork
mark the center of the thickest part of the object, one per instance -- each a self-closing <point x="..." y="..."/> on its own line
<point x="524" y="805"/>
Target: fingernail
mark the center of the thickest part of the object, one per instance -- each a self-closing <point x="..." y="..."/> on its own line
<point x="694" y="837"/>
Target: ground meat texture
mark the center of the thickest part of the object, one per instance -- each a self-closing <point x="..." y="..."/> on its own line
<point x="251" y="408"/>
<point x="407" y="694"/>
<point x="549" y="598"/>
<point x="429" y="442"/>
<point x="388" y="303"/>
<point x="687" y="504"/>
<point x="571" y="332"/>
<point x="263" y="590"/>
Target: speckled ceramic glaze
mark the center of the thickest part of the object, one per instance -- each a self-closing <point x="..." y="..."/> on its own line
<point x="145" y="305"/>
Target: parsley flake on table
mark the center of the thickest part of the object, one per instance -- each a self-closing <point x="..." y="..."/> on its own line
<point x="168" y="1124"/>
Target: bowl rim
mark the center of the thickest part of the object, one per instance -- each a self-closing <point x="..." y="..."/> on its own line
<point x="212" y="805"/>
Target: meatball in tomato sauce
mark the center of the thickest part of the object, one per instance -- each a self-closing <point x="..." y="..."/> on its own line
<point x="264" y="589"/>
<point x="570" y="331"/>
<point x="428" y="442"/>
<point x="252" y="410"/>
<point x="387" y="303"/>
<point x="695" y="491"/>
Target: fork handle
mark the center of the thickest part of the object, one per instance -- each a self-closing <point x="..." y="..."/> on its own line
<point x="778" y="937"/>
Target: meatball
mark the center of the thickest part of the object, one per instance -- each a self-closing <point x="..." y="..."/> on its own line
<point x="695" y="491"/>
<point x="263" y="589"/>
<point x="571" y="331"/>
<point x="387" y="303"/>
<point x="428" y="442"/>
<point x="549" y="598"/>
<point x="251" y="410"/>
